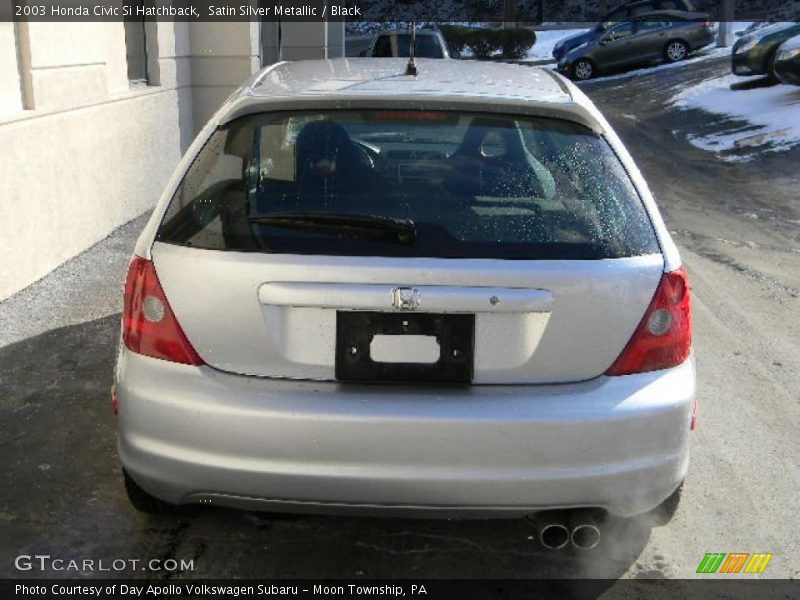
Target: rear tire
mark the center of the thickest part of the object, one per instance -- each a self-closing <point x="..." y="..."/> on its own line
<point x="676" y="51"/>
<point x="664" y="512"/>
<point x="583" y="69"/>
<point x="144" y="502"/>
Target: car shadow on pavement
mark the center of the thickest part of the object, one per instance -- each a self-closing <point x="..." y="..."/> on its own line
<point x="64" y="497"/>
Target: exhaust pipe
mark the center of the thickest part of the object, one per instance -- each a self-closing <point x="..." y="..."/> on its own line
<point x="584" y="526"/>
<point x="553" y="531"/>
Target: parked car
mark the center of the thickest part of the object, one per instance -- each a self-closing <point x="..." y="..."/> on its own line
<point x="788" y="12"/>
<point x="787" y="61"/>
<point x="430" y="43"/>
<point x="363" y="291"/>
<point x="626" y="12"/>
<point x="668" y="35"/>
<point x="755" y="54"/>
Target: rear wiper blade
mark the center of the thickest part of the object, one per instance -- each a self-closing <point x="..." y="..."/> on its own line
<point x="371" y="226"/>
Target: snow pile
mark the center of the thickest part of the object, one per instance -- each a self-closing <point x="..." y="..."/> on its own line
<point x="761" y="119"/>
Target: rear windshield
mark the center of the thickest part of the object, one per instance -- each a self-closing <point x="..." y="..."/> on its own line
<point x="426" y="46"/>
<point x="409" y="183"/>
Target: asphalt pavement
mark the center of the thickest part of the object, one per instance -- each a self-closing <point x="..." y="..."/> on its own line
<point x="738" y="227"/>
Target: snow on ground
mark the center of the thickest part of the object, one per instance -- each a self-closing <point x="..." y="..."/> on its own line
<point x="739" y="27"/>
<point x="766" y="119"/>
<point x="545" y="40"/>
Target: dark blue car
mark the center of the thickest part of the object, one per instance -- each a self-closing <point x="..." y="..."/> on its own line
<point x="622" y="13"/>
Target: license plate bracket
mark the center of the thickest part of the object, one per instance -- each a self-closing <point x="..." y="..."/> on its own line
<point x="455" y="334"/>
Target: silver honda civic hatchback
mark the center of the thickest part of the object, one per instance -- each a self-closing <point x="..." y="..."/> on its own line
<point x="444" y="294"/>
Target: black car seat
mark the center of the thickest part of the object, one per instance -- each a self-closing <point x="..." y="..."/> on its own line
<point x="514" y="172"/>
<point x="326" y="158"/>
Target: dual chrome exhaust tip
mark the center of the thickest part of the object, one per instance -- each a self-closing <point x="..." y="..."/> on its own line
<point x="558" y="529"/>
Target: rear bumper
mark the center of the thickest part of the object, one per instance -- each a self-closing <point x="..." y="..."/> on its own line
<point x="189" y="434"/>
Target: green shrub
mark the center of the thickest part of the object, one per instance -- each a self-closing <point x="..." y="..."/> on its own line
<point x="511" y="43"/>
<point x="515" y="43"/>
<point x="455" y="37"/>
<point x="483" y="42"/>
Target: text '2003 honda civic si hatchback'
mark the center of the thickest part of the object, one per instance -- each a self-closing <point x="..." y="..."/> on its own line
<point x="449" y="293"/>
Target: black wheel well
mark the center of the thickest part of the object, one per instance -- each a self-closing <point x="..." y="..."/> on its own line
<point x="586" y="59"/>
<point x="686" y="45"/>
<point x="143" y="501"/>
<point x="677" y="39"/>
<point x="769" y="61"/>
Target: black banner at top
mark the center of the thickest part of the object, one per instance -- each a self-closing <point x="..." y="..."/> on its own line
<point x="437" y="11"/>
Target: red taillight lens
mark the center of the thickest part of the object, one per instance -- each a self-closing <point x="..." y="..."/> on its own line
<point x="664" y="336"/>
<point x="149" y="326"/>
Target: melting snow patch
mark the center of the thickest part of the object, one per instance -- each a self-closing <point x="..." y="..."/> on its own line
<point x="763" y="119"/>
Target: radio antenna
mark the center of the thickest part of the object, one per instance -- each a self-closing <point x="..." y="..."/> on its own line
<point x="411" y="67"/>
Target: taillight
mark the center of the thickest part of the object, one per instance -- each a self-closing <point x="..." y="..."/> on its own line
<point x="664" y="337"/>
<point x="149" y="326"/>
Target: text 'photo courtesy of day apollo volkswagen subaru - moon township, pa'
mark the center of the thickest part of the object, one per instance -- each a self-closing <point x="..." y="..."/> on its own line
<point x="443" y="294"/>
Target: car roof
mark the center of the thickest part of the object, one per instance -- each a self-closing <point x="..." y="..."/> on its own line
<point x="382" y="83"/>
<point x="378" y="76"/>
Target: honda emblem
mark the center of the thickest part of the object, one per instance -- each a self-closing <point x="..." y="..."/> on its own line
<point x="405" y="298"/>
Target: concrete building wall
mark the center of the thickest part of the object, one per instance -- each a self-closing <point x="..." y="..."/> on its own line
<point x="83" y="150"/>
<point x="10" y="91"/>
<point x="310" y="40"/>
<point x="223" y="55"/>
